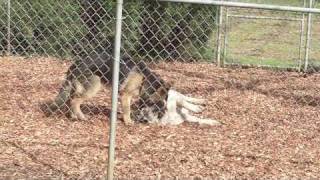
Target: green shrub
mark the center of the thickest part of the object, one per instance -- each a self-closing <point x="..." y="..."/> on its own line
<point x="183" y="29"/>
<point x="150" y="30"/>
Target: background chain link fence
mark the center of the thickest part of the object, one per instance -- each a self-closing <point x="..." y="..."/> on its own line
<point x="314" y="51"/>
<point x="272" y="46"/>
<point x="4" y="27"/>
<point x="172" y="32"/>
<point x="281" y="45"/>
<point x="41" y="39"/>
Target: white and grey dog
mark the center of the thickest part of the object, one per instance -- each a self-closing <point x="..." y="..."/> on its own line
<point x="177" y="109"/>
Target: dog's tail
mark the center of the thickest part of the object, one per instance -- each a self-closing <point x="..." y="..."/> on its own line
<point x="61" y="99"/>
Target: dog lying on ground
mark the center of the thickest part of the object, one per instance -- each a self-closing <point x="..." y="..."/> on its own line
<point x="158" y="102"/>
<point x="176" y="109"/>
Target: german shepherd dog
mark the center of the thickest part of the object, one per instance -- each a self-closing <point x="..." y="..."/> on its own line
<point x="158" y="101"/>
<point x="86" y="75"/>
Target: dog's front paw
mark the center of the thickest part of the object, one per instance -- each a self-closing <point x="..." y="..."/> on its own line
<point x="78" y="116"/>
<point x="82" y="117"/>
<point x="128" y="121"/>
<point x="209" y="122"/>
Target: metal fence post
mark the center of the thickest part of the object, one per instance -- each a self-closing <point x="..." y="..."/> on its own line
<point x="308" y="40"/>
<point x="219" y="34"/>
<point x="8" y="27"/>
<point x="225" y="45"/>
<point x="115" y="88"/>
<point x="301" y="37"/>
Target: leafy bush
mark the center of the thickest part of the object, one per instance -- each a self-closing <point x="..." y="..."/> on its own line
<point x="152" y="30"/>
<point x="45" y="26"/>
<point x="183" y="30"/>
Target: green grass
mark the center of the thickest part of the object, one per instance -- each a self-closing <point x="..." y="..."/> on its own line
<point x="258" y="61"/>
<point x="270" y="42"/>
<point x="264" y="42"/>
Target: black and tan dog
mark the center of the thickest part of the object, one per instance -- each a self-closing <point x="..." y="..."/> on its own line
<point x="86" y="75"/>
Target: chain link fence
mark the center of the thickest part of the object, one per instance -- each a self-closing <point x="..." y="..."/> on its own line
<point x="83" y="31"/>
<point x="314" y="54"/>
<point x="4" y="27"/>
<point x="60" y="47"/>
<point x="271" y="47"/>
<point x="281" y="45"/>
<point x="173" y="32"/>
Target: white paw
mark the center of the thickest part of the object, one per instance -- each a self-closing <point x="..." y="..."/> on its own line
<point x="210" y="122"/>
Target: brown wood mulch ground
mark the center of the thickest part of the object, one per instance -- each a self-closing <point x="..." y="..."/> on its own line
<point x="270" y="127"/>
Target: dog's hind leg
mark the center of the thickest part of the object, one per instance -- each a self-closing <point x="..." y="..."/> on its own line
<point x="189" y="99"/>
<point x="60" y="101"/>
<point x="82" y="92"/>
<point x="190" y="118"/>
<point x="192" y="107"/>
<point x="192" y="104"/>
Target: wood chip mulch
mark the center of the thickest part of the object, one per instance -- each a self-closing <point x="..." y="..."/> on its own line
<point x="270" y="127"/>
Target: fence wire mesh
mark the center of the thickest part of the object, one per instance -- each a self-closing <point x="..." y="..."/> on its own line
<point x="173" y="32"/>
<point x="315" y="46"/>
<point x="270" y="46"/>
<point x="66" y="48"/>
<point x="83" y="32"/>
<point x="4" y="27"/>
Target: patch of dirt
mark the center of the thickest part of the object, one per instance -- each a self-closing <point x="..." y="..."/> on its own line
<point x="270" y="127"/>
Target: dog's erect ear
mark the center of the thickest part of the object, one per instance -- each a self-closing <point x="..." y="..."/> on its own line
<point x="169" y="84"/>
<point x="163" y="91"/>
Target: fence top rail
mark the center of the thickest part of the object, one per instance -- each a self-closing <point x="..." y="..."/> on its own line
<point x="250" y="5"/>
